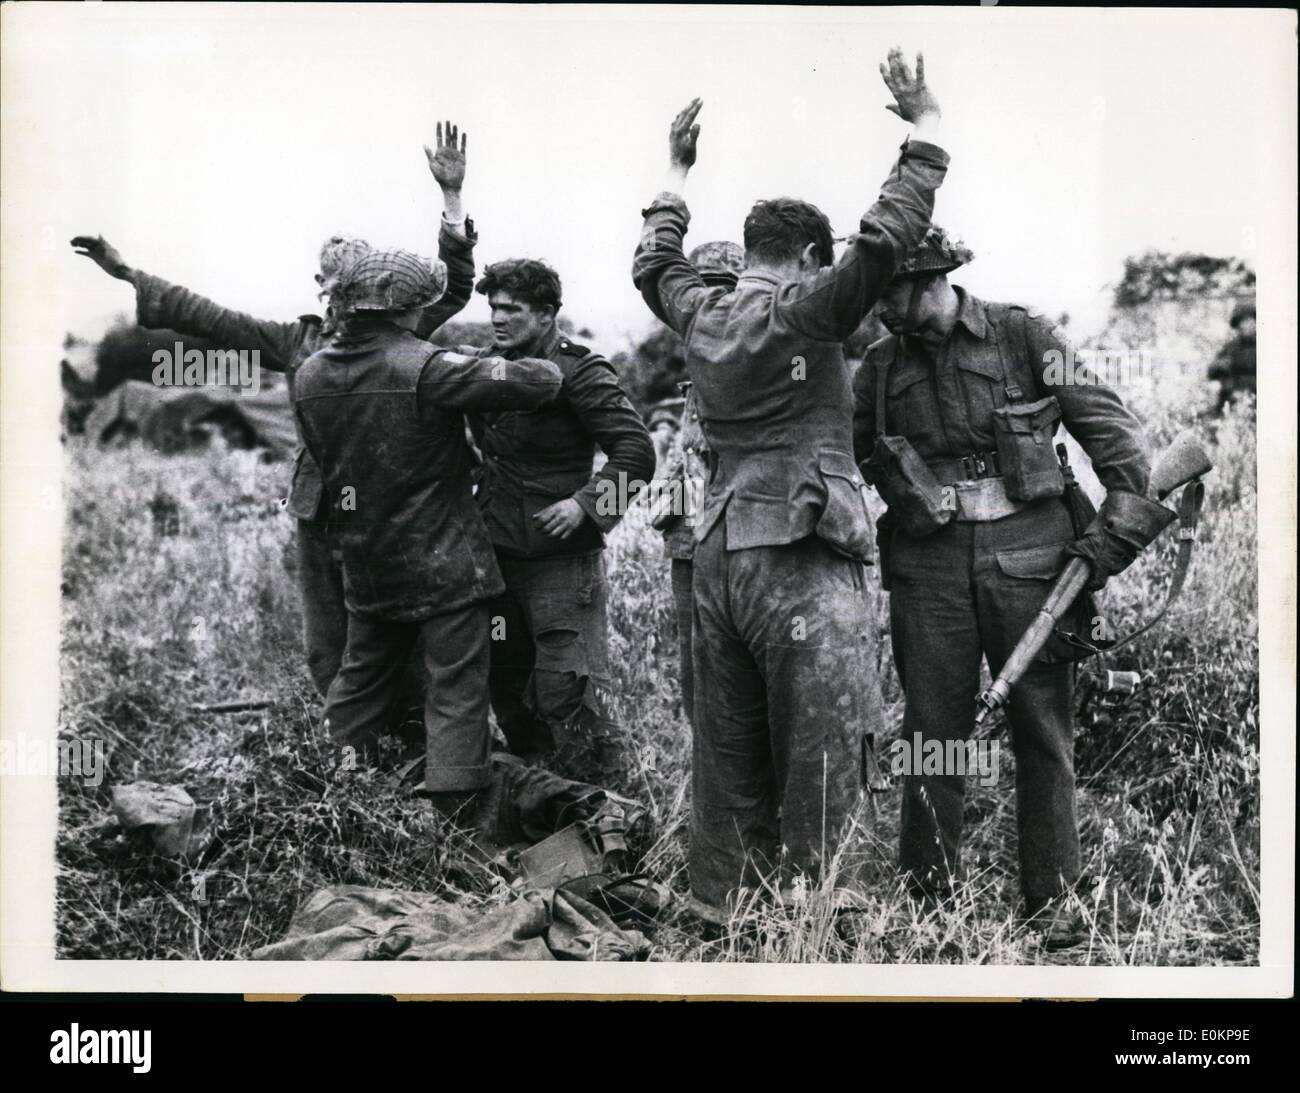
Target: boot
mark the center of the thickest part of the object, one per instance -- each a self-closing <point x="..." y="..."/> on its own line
<point x="1057" y="923"/>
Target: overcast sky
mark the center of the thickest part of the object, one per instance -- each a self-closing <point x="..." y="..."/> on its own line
<point x="217" y="145"/>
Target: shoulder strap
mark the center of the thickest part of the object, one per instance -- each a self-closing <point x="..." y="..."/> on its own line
<point x="1018" y="375"/>
<point x="882" y="375"/>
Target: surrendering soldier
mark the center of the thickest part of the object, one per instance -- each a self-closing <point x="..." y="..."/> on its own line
<point x="283" y="347"/>
<point x="719" y="264"/>
<point x="782" y="643"/>
<point x="382" y="412"/>
<point x="547" y="511"/>
<point x="955" y="415"/>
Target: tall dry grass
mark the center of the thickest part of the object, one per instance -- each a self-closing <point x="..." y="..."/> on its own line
<point x="179" y="590"/>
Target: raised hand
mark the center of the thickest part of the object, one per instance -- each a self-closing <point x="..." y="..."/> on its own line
<point x="103" y="254"/>
<point x="447" y="163"/>
<point x="912" y="98"/>
<point x="683" y="136"/>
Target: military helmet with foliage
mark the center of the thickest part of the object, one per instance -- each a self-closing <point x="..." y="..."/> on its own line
<point x="937" y="253"/>
<point x="389" y="280"/>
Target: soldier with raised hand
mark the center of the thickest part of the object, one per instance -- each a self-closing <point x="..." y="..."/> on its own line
<point x="782" y="639"/>
<point x="547" y="511"/>
<point x="955" y="415"/>
<point x="382" y="412"/>
<point x="283" y="347"/>
<point x="720" y="263"/>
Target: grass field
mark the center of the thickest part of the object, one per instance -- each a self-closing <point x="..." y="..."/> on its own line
<point x="179" y="590"/>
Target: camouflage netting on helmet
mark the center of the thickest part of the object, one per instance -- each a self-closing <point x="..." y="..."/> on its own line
<point x="718" y="262"/>
<point x="938" y="252"/>
<point x="389" y="280"/>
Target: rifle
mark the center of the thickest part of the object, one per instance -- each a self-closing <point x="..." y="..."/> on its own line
<point x="1181" y="464"/>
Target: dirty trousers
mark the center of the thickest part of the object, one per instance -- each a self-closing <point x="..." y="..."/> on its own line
<point x="550" y="680"/>
<point x="785" y="689"/>
<point x="454" y="654"/>
<point x="967" y="590"/>
<point x="682" y="597"/>
<point x="324" y="615"/>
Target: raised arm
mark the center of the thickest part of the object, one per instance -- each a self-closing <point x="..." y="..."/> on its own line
<point x="456" y="235"/>
<point x="671" y="287"/>
<point x="830" y="304"/>
<point x="161" y="304"/>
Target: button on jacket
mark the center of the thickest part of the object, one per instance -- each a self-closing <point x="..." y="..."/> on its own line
<point x="770" y="377"/>
<point x="534" y="458"/>
<point x="285" y="346"/>
<point x="382" y="413"/>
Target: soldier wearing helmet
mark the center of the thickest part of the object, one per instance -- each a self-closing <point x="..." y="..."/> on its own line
<point x="283" y="347"/>
<point x="382" y="413"/>
<point x="1234" y="367"/>
<point x="955" y="415"/>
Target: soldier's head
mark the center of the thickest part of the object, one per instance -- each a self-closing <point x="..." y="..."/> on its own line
<point x="719" y="263"/>
<point x="788" y="237"/>
<point x="919" y="296"/>
<point x="524" y="295"/>
<point x="1243" y="320"/>
<point x="392" y="286"/>
<point x="337" y="253"/>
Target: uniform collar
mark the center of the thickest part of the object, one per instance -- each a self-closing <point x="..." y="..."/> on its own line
<point x="970" y="313"/>
<point x="544" y="351"/>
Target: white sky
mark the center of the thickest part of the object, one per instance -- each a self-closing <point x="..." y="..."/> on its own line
<point x="217" y="145"/>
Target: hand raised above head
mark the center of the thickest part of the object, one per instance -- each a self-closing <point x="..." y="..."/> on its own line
<point x="913" y="100"/>
<point x="447" y="158"/>
<point x="683" y="135"/>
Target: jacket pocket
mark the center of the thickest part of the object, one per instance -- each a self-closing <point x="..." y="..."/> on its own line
<point x="1024" y="432"/>
<point x="910" y="408"/>
<point x="845" y="520"/>
<point x="1040" y="563"/>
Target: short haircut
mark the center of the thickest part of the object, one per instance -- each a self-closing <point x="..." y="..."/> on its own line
<point x="778" y="230"/>
<point x="526" y="279"/>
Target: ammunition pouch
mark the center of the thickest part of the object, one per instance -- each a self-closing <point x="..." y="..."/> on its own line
<point x="584" y="848"/>
<point x="885" y="527"/>
<point x="1024" y="432"/>
<point x="908" y="486"/>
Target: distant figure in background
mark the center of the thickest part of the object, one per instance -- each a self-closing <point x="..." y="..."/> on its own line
<point x="1234" y="367"/>
<point x="719" y="264"/>
<point x="284" y="346"/>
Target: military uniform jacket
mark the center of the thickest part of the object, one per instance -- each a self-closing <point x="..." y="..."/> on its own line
<point x="534" y="458"/>
<point x="283" y="347"/>
<point x="382" y="413"/>
<point x="943" y="401"/>
<point x="770" y="378"/>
